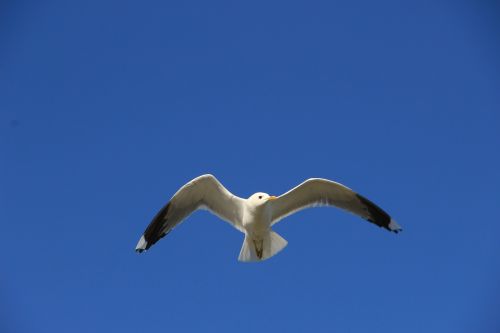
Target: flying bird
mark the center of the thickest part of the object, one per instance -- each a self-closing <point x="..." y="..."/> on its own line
<point x="256" y="215"/>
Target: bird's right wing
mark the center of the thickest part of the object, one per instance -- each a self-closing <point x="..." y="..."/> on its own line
<point x="322" y="192"/>
<point x="204" y="192"/>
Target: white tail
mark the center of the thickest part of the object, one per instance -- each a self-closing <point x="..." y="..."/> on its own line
<point x="261" y="249"/>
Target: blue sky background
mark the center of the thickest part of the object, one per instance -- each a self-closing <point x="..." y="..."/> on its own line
<point x="108" y="107"/>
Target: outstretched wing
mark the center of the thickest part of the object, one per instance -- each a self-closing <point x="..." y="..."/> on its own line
<point x="204" y="192"/>
<point x="322" y="192"/>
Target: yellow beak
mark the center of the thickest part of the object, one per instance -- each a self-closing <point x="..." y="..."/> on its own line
<point x="272" y="197"/>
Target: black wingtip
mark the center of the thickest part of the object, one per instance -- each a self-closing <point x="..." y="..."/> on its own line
<point x="378" y="216"/>
<point x="154" y="230"/>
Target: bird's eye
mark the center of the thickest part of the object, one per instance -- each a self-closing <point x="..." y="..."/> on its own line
<point x="260" y="196"/>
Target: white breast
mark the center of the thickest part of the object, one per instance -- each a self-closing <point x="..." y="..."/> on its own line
<point x="256" y="219"/>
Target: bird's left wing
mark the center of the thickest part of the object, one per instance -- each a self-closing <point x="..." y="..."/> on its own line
<point x="204" y="192"/>
<point x="322" y="192"/>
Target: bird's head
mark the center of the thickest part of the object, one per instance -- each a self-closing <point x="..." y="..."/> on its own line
<point x="260" y="198"/>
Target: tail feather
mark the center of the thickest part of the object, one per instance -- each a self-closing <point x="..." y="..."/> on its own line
<point x="247" y="252"/>
<point x="261" y="249"/>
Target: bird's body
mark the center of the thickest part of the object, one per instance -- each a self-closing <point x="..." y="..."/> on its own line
<point x="256" y="218"/>
<point x="259" y="238"/>
<point x="256" y="215"/>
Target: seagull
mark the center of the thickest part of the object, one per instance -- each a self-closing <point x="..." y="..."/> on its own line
<point x="256" y="215"/>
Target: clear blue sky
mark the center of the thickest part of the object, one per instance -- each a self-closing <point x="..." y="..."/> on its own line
<point x="108" y="107"/>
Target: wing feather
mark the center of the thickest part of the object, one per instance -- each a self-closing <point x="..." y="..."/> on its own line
<point x="322" y="192"/>
<point x="204" y="192"/>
